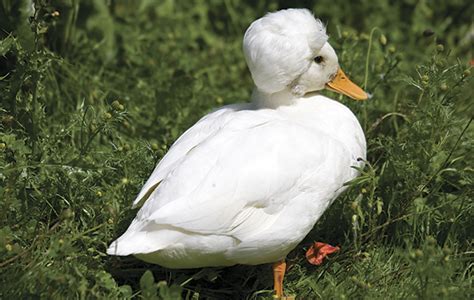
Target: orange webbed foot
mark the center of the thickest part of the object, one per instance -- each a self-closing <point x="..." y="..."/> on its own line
<point x="318" y="252"/>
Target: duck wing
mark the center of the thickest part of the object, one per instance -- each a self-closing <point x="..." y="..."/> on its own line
<point x="204" y="128"/>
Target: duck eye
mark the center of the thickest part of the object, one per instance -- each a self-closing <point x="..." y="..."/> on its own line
<point x="318" y="59"/>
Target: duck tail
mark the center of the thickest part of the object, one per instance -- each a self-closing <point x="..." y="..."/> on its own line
<point x="138" y="240"/>
<point x="127" y="245"/>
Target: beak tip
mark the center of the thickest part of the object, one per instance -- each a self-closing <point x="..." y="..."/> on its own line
<point x="341" y="84"/>
<point x="364" y="97"/>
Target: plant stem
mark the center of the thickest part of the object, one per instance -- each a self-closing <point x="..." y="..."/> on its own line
<point x="367" y="57"/>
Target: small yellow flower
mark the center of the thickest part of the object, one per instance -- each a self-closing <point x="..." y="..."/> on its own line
<point x="107" y="116"/>
<point x="117" y="105"/>
<point x="354" y="205"/>
<point x="418" y="253"/>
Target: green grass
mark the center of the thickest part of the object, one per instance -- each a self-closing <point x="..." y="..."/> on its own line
<point x="93" y="94"/>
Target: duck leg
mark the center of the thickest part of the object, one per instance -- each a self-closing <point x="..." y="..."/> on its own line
<point x="279" y="269"/>
<point x="318" y="252"/>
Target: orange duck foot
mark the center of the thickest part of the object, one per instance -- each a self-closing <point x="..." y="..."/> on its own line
<point x="318" y="252"/>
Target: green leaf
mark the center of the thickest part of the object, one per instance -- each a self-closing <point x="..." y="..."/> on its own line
<point x="172" y="292"/>
<point x="6" y="44"/>
<point x="148" y="286"/>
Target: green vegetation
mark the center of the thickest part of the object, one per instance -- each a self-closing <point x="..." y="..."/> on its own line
<point x="93" y="93"/>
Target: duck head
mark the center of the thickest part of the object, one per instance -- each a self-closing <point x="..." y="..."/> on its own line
<point x="288" y="50"/>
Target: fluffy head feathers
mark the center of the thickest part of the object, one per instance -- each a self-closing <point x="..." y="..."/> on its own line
<point x="280" y="46"/>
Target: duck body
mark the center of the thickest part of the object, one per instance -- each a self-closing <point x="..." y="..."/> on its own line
<point x="246" y="183"/>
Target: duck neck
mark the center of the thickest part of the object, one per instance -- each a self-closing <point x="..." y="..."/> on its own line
<point x="274" y="100"/>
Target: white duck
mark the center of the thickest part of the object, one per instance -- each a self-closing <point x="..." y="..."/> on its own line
<point x="247" y="182"/>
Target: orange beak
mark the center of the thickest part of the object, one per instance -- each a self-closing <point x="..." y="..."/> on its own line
<point x="341" y="84"/>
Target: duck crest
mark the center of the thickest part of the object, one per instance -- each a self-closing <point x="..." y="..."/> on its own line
<point x="280" y="46"/>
